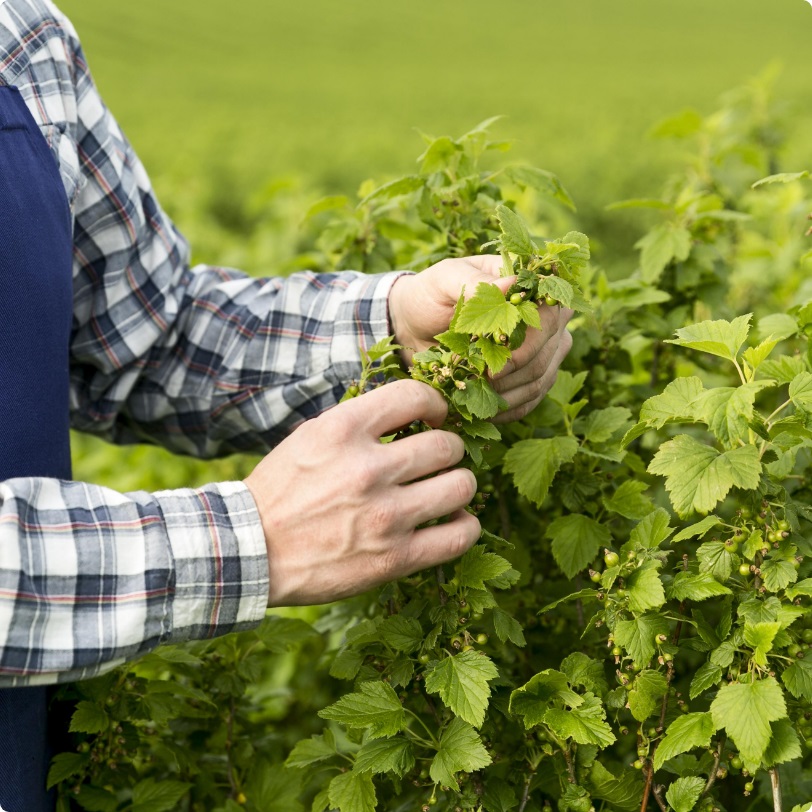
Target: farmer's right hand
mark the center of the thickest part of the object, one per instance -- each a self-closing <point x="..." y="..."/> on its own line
<point x="340" y="509"/>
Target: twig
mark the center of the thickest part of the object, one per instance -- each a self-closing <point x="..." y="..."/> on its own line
<point x="657" y="792"/>
<point x="526" y="792"/>
<point x="716" y="758"/>
<point x="579" y="606"/>
<point x="775" y="780"/>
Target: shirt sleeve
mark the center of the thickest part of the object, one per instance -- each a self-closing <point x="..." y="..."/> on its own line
<point x="90" y="578"/>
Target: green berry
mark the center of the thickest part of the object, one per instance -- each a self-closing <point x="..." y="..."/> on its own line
<point x="749" y="786"/>
<point x="744" y="570"/>
<point x="610" y="558"/>
<point x="638" y="765"/>
<point x="550" y="301"/>
<point x="516" y="299"/>
<point x="617" y="651"/>
<point x="353" y="390"/>
<point x="481" y="639"/>
<point x="736" y="763"/>
<point x="594" y="576"/>
<point x="424" y="658"/>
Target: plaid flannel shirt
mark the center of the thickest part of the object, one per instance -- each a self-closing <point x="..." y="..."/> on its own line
<point x="202" y="360"/>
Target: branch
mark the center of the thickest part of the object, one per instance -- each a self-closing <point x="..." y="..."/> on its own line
<point x="526" y="792"/>
<point x="775" y="780"/>
<point x="657" y="792"/>
<point x="716" y="757"/>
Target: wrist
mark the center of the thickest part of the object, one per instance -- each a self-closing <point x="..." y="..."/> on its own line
<point x="398" y="322"/>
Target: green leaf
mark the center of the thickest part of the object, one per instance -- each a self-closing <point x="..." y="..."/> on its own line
<point x="158" y="796"/>
<point x="395" y="755"/>
<point x="402" y="633"/>
<point x="674" y="403"/>
<point x="64" y="766"/>
<point x="798" y="679"/>
<point x="622" y="793"/>
<point x="760" y="636"/>
<point x="649" y="688"/>
<point x="487" y="312"/>
<point x="566" y="387"/>
<point x="479" y="398"/>
<point x="507" y="627"/>
<point x="459" y="343"/>
<point x="576" y="541"/>
<point x="629" y="502"/>
<point x="682" y="735"/>
<point x="460" y="749"/>
<point x="395" y="188"/>
<point x="722" y="338"/>
<point x="781" y="177"/>
<point x="529" y="177"/>
<point x="728" y="410"/>
<point x="600" y="425"/>
<point x="534" y="464"/>
<point x="716" y="559"/>
<point x="375" y="707"/>
<point x="696" y="586"/>
<point x="89" y="717"/>
<point x="309" y="751"/>
<point x="659" y="247"/>
<point x="706" y="676"/>
<point x="698" y="477"/>
<point x="652" y="531"/>
<point x="281" y="634"/>
<point x="515" y="236"/>
<point x="586" y="672"/>
<point x="784" y="744"/>
<point x="777" y="574"/>
<point x="495" y="355"/>
<point x="585" y="724"/>
<point x="645" y="588"/>
<point x="637" y="635"/>
<point x="352" y="792"/>
<point x="755" y="356"/>
<point x="532" y="700"/>
<point x="783" y="369"/>
<point x="462" y="683"/>
<point x="800" y="391"/>
<point x="560" y="290"/>
<point x="478" y="566"/>
<point x="745" y="710"/>
<point x="96" y="799"/>
<point x="499" y="796"/>
<point x="684" y="793"/>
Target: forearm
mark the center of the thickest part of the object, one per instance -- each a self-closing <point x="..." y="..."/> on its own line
<point x="90" y="578"/>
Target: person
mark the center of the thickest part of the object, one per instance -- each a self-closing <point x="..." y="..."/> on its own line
<point x="105" y="327"/>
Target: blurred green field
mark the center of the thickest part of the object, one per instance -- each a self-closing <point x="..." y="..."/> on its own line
<point x="243" y="115"/>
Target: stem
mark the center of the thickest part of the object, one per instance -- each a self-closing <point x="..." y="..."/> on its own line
<point x="579" y="606"/>
<point x="739" y="370"/>
<point x="525" y="792"/>
<point x="775" y="780"/>
<point x="779" y="409"/>
<point x="657" y="792"/>
<point x="434" y="741"/>
<point x="716" y="758"/>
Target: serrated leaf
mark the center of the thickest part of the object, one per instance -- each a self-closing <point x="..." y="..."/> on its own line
<point x="728" y="410"/>
<point x="576" y="541"/>
<point x="515" y="235"/>
<point x="532" y="700"/>
<point x="720" y="337"/>
<point x="462" y="683"/>
<point x="64" y="766"/>
<point x="684" y="793"/>
<point x="558" y="288"/>
<point x="696" y="586"/>
<point x="628" y="501"/>
<point x="585" y="724"/>
<point x="402" y="633"/>
<point x="309" y="751"/>
<point x="459" y="343"/>
<point x="780" y="177"/>
<point x="784" y="744"/>
<point x="706" y="676"/>
<point x="746" y="710"/>
<point x="800" y="391"/>
<point x="622" y="793"/>
<point x="89" y="717"/>
<point x="659" y="247"/>
<point x="375" y="707"/>
<point x="698" y="529"/>
<point x="507" y="627"/>
<point x="637" y="636"/>
<point x="586" y="672"/>
<point x="395" y="188"/>
<point x="529" y="314"/>
<point x="682" y="735"/>
<point x="495" y="355"/>
<point x="798" y="679"/>
<point x="600" y="425"/>
<point x="755" y="356"/>
<point x="649" y="688"/>
<point x="97" y="799"/>
<point x="675" y="402"/>
<point x="281" y="634"/>
<point x="534" y="463"/>
<point x="487" y="312"/>
<point x="460" y="749"/>
<point x="777" y="574"/>
<point x="566" y="387"/>
<point x="158" y="796"/>
<point x="395" y="755"/>
<point x="716" y="559"/>
<point x="783" y="369"/>
<point x="645" y="589"/>
<point x="478" y="566"/>
<point x="479" y="398"/>
<point x="760" y="636"/>
<point x="352" y="792"/>
<point x="698" y="476"/>
<point x="541" y="181"/>
<point x="652" y="531"/>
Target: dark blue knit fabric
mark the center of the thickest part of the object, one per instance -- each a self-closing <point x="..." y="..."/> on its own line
<point x="35" y="323"/>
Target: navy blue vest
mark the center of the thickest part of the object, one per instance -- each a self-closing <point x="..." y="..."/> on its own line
<point x="35" y="322"/>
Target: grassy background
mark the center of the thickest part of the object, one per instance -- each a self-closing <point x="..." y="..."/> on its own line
<point x="244" y="112"/>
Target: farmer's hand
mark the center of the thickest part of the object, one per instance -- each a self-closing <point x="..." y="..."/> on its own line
<point x="421" y="307"/>
<point x="340" y="509"/>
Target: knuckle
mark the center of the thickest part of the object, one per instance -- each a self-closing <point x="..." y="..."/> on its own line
<point x="366" y="472"/>
<point x="381" y="517"/>
<point x="448" y="446"/>
<point x="466" y="534"/>
<point x="463" y="485"/>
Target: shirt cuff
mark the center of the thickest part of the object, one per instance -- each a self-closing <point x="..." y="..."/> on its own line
<point x="221" y="561"/>
<point x="361" y="321"/>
